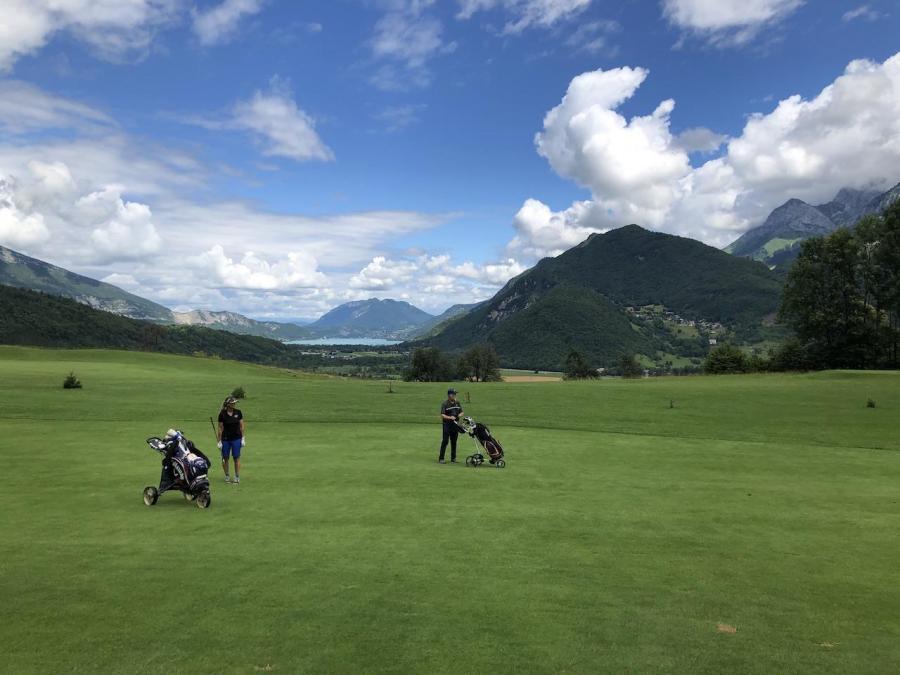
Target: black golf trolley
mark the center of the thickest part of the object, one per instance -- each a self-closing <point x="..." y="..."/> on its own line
<point x="185" y="469"/>
<point x="484" y="443"/>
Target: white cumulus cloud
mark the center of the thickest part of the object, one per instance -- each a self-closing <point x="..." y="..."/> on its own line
<point x="295" y="270"/>
<point x="274" y="119"/>
<point x="381" y="274"/>
<point x="109" y="205"/>
<point x="542" y="232"/>
<point x="632" y="167"/>
<point x="46" y="210"/>
<point x="122" y="230"/>
<point x="637" y="171"/>
<point x="115" y="29"/>
<point x="492" y="274"/>
<point x="700" y="139"/>
<point x="19" y="228"/>
<point x="433" y="281"/>
<point x="727" y="22"/>
<point x="287" y="131"/>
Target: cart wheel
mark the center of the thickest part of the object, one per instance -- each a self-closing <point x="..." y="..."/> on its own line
<point x="151" y="494"/>
<point x="204" y="500"/>
<point x="501" y="463"/>
<point x="469" y="460"/>
<point x="189" y="497"/>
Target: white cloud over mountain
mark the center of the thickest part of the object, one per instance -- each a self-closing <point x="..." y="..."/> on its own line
<point x="408" y="274"/>
<point x="109" y="205"/>
<point x="432" y="281"/>
<point x="383" y="274"/>
<point x="44" y="208"/>
<point x="297" y="269"/>
<point x="631" y="166"/>
<point x="183" y="252"/>
<point x="78" y="189"/>
<point x="122" y="230"/>
<point x="541" y="232"/>
<point x="19" y="227"/>
<point x="638" y="171"/>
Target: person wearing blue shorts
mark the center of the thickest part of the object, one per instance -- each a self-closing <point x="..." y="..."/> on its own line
<point x="231" y="437"/>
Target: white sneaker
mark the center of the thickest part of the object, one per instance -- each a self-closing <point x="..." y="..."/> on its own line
<point x="227" y="478"/>
<point x="236" y="480"/>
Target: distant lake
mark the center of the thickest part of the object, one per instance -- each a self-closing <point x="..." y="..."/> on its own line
<point x="325" y="342"/>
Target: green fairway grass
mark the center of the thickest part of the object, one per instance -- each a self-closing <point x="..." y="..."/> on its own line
<point x="632" y="519"/>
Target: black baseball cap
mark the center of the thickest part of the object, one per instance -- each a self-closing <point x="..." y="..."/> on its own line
<point x="451" y="391"/>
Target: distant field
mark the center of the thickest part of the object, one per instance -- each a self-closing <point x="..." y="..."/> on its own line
<point x="636" y="525"/>
<point x="514" y="375"/>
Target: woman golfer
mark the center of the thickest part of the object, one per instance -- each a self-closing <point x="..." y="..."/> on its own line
<point x="231" y="437"/>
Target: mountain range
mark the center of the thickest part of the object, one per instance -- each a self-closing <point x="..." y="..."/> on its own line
<point x="389" y="319"/>
<point x="627" y="291"/>
<point x="22" y="271"/>
<point x="238" y="323"/>
<point x="40" y="319"/>
<point x="777" y="241"/>
<point x="373" y="318"/>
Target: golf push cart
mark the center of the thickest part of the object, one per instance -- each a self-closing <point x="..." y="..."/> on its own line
<point x="184" y="469"/>
<point x="481" y="437"/>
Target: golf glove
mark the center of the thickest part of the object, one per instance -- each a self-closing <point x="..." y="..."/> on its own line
<point x="244" y="442"/>
<point x="219" y="445"/>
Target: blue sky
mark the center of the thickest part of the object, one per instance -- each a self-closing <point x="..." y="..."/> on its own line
<point x="283" y="157"/>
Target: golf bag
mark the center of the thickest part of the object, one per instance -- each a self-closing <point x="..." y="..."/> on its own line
<point x="184" y="468"/>
<point x="484" y="441"/>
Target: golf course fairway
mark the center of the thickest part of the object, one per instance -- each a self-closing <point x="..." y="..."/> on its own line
<point x="744" y="524"/>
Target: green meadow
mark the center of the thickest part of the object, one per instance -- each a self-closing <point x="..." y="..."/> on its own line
<point x="742" y="524"/>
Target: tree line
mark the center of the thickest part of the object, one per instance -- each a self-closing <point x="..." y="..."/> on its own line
<point x="841" y="300"/>
<point x="842" y="296"/>
<point x="480" y="363"/>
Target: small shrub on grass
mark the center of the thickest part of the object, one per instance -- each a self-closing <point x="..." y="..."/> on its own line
<point x="239" y="393"/>
<point x="725" y="359"/>
<point x="71" y="382"/>
<point x="630" y="366"/>
<point x="578" y="368"/>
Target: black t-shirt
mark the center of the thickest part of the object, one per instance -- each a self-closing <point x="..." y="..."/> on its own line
<point x="231" y="425"/>
<point x="452" y="408"/>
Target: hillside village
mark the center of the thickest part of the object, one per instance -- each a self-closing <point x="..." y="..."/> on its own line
<point x="713" y="330"/>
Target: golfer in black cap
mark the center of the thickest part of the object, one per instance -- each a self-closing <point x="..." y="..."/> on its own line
<point x="451" y="411"/>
